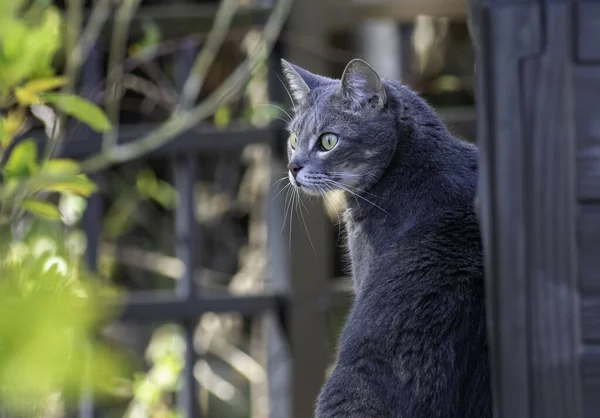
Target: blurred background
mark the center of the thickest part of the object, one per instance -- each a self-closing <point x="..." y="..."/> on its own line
<point x="210" y="290"/>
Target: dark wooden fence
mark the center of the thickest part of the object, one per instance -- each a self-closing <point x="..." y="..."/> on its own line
<point x="539" y="76"/>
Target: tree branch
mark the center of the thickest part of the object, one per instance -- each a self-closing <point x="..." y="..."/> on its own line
<point x="207" y="55"/>
<point x="182" y="121"/>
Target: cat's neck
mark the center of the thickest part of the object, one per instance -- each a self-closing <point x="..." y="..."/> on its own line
<point x="425" y="176"/>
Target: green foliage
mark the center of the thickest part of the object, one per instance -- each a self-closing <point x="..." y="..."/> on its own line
<point x="48" y="312"/>
<point x="150" y="40"/>
<point x="222" y="117"/>
<point x="43" y="209"/>
<point x="151" y="390"/>
<point x="149" y="187"/>
<point x="81" y="109"/>
<point x="27" y="49"/>
<point x="22" y="161"/>
<point x="51" y="307"/>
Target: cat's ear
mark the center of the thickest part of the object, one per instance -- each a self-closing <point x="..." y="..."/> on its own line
<point x="362" y="85"/>
<point x="299" y="82"/>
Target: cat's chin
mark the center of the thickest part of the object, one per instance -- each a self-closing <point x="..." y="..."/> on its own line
<point x="307" y="190"/>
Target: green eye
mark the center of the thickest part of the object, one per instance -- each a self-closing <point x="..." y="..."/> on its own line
<point x="328" y="141"/>
<point x="293" y="140"/>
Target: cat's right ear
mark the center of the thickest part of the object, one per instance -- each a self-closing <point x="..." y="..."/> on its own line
<point x="297" y="82"/>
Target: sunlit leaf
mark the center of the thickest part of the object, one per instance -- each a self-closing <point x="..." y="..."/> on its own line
<point x="78" y="184"/>
<point x="44" y="84"/>
<point x="80" y="108"/>
<point x="60" y="167"/>
<point x="27" y="97"/>
<point x="11" y="125"/>
<point x="42" y="209"/>
<point x="22" y="160"/>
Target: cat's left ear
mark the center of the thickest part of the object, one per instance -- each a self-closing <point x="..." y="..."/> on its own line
<point x="361" y="84"/>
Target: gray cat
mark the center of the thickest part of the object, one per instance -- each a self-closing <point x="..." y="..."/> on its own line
<point x="414" y="345"/>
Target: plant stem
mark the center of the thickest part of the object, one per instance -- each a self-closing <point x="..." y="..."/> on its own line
<point x="77" y="52"/>
<point x="118" y="50"/>
<point x="207" y="55"/>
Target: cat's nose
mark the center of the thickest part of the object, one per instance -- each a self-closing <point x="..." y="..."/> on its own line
<point x="294" y="168"/>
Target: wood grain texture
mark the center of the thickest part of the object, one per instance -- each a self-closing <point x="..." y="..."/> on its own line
<point x="588" y="19"/>
<point x="588" y="173"/>
<point x="590" y="366"/>
<point x="589" y="249"/>
<point x="553" y="293"/>
<point x="529" y="206"/>
<point x="503" y="220"/>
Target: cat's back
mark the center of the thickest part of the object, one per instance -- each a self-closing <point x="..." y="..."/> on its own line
<point x="421" y="320"/>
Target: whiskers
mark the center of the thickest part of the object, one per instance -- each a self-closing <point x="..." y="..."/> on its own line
<point x="281" y="109"/>
<point x="356" y="193"/>
<point x="293" y="204"/>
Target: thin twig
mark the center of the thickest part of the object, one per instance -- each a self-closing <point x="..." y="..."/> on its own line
<point x="207" y="55"/>
<point x="180" y="122"/>
<point x="77" y="52"/>
<point x="118" y="49"/>
<point x="90" y="33"/>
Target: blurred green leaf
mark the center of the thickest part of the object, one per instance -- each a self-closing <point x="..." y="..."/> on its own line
<point x="28" y="94"/>
<point x="43" y="209"/>
<point x="160" y="191"/>
<point x="145" y="182"/>
<point x="22" y="161"/>
<point x="48" y="317"/>
<point x="10" y="125"/>
<point x="80" y="108"/>
<point x="9" y="7"/>
<point x="151" y="38"/>
<point x="26" y="97"/>
<point x="60" y="167"/>
<point x="78" y="184"/>
<point x="44" y="84"/>
<point x="222" y="117"/>
<point x="28" y="50"/>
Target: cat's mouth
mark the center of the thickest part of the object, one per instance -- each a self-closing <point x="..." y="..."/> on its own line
<point x="305" y="187"/>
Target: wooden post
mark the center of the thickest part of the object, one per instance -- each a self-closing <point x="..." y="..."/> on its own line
<point x="528" y="205"/>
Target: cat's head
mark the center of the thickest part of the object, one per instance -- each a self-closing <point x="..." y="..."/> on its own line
<point x="343" y="132"/>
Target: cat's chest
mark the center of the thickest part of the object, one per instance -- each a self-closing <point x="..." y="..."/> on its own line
<point x="361" y="250"/>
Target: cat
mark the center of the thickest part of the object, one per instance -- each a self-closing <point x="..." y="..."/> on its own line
<point x="414" y="344"/>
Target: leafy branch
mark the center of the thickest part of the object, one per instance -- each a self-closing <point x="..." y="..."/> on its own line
<point x="41" y="268"/>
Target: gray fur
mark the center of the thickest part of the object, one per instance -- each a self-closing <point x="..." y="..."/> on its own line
<point x="414" y="345"/>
